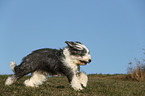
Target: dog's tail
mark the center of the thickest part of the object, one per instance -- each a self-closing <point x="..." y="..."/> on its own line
<point x="11" y="79"/>
<point x="13" y="65"/>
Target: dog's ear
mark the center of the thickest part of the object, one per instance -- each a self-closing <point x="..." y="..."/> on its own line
<point x="75" y="45"/>
<point x="69" y="43"/>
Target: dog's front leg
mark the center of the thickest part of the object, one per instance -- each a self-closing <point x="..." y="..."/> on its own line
<point x="83" y="78"/>
<point x="75" y="83"/>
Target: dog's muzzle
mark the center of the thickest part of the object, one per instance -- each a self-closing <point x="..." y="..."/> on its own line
<point x="81" y="62"/>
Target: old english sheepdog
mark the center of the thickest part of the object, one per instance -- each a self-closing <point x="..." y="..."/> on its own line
<point x="46" y="61"/>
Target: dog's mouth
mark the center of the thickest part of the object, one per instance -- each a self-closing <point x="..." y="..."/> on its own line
<point x="82" y="62"/>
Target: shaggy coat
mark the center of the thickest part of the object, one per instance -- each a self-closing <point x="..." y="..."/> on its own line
<point x="52" y="61"/>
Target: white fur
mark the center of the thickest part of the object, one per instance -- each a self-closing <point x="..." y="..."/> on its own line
<point x="70" y="61"/>
<point x="75" y="83"/>
<point x="81" y="46"/>
<point x="78" y="80"/>
<point x="10" y="80"/>
<point x="87" y="56"/>
<point x="37" y="79"/>
<point x="13" y="65"/>
<point x="83" y="78"/>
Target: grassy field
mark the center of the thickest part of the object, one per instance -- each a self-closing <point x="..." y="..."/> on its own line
<point x="98" y="85"/>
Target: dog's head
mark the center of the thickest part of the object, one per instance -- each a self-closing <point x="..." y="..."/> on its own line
<point x="79" y="53"/>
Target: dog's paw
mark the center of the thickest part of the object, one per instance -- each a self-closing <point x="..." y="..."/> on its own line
<point x="83" y="79"/>
<point x="77" y="88"/>
<point x="29" y="83"/>
<point x="10" y="80"/>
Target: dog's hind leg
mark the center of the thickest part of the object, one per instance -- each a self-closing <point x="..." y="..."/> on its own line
<point x="20" y="71"/>
<point x="11" y="79"/>
<point x="37" y="79"/>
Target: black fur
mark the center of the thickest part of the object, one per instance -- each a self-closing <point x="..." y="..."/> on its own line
<point x="65" y="61"/>
<point x="46" y="60"/>
<point x="73" y="49"/>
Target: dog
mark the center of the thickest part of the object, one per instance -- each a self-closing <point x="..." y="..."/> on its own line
<point x="46" y="61"/>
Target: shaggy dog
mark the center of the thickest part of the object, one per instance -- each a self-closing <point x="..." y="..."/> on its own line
<point x="46" y="61"/>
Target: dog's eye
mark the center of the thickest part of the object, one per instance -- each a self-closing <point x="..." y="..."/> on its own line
<point x="81" y="53"/>
<point x="75" y="51"/>
<point x="78" y="52"/>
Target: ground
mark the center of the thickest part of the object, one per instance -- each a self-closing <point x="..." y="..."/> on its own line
<point x="98" y="85"/>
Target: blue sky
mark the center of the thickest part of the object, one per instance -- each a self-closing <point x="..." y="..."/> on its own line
<point x="113" y="30"/>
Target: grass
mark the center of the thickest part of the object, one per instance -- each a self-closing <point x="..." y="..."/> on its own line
<point x="98" y="85"/>
<point x="137" y="72"/>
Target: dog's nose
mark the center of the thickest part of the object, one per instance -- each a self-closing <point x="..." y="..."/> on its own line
<point x="90" y="60"/>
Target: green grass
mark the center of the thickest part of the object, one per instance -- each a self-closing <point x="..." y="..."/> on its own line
<point x="98" y="85"/>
